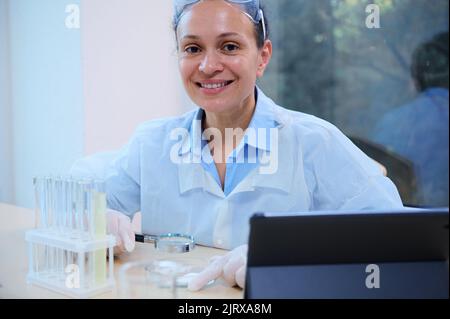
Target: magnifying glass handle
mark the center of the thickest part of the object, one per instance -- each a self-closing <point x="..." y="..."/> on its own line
<point x="143" y="238"/>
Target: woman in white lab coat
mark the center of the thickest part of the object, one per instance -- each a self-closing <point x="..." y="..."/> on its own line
<point x="191" y="175"/>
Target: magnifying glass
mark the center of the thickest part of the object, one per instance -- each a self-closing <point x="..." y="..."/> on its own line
<point x="171" y="243"/>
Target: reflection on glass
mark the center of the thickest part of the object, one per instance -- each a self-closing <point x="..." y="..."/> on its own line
<point x="418" y="130"/>
<point x="328" y="63"/>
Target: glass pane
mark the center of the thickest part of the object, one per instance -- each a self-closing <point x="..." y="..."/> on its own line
<point x="386" y="88"/>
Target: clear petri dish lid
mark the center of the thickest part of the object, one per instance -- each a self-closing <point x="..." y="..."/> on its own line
<point x="175" y="243"/>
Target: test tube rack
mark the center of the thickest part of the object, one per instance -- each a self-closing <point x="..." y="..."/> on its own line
<point x="68" y="249"/>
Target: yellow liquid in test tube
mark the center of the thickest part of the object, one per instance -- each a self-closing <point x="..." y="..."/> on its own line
<point x="99" y="205"/>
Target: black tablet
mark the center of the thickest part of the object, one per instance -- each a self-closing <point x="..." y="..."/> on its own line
<point x="390" y="254"/>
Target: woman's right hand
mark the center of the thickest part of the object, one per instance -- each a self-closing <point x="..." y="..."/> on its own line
<point x="119" y="225"/>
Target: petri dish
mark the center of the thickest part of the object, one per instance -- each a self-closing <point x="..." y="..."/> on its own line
<point x="175" y="243"/>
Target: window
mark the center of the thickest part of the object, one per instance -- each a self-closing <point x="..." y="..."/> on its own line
<point x="386" y="88"/>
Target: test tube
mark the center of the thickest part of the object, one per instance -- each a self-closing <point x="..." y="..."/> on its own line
<point x="79" y="208"/>
<point x="63" y="203"/>
<point x="57" y="204"/>
<point x="59" y="222"/>
<point x="39" y="199"/>
<point x="85" y="188"/>
<point x="49" y="202"/>
<point x="69" y="216"/>
<point x="41" y="202"/>
<point x="99" y="208"/>
<point x="88" y="212"/>
<point x="99" y="229"/>
<point x="46" y="222"/>
<point x="72" y="203"/>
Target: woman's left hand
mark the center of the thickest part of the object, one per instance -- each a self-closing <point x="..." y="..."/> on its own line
<point x="231" y="267"/>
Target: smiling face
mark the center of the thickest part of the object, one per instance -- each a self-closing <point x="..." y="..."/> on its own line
<point x="218" y="56"/>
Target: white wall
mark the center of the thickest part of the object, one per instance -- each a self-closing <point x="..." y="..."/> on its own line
<point x="73" y="92"/>
<point x="130" y="70"/>
<point x="6" y="186"/>
<point x="46" y="92"/>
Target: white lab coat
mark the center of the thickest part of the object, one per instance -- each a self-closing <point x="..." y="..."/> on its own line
<point x="318" y="169"/>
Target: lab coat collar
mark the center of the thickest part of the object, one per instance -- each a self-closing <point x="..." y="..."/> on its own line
<point x="267" y="114"/>
<point x="192" y="142"/>
<point x="265" y="117"/>
<point x="192" y="176"/>
<point x="262" y="122"/>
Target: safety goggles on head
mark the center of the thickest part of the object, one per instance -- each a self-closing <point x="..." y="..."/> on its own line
<point x="249" y="7"/>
